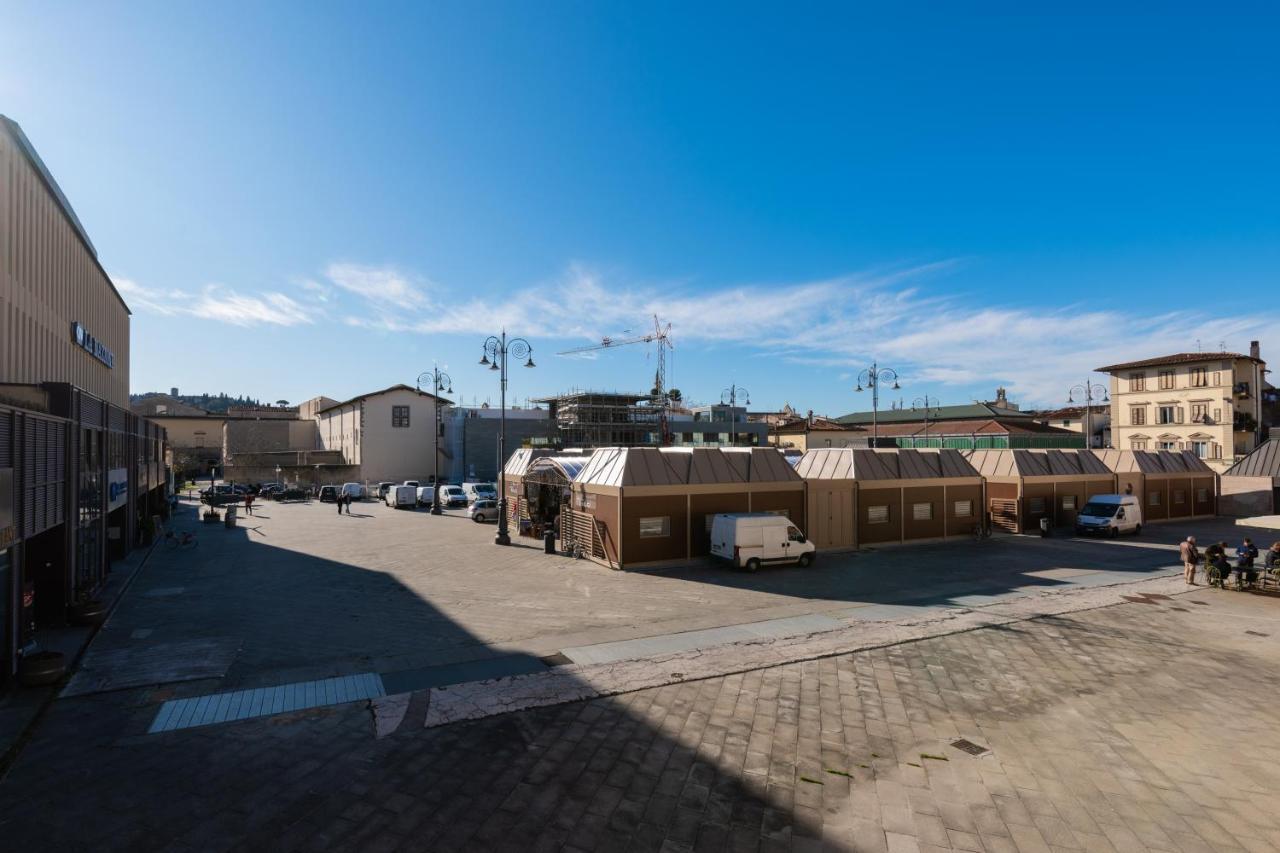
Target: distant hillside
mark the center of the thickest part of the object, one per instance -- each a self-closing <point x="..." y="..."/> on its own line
<point x="212" y="403"/>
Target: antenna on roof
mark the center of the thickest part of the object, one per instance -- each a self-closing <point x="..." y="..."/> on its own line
<point x="1222" y="346"/>
<point x="1198" y="345"/>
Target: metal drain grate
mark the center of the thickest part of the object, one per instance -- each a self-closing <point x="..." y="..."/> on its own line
<point x="969" y="746"/>
<point x="264" y="701"/>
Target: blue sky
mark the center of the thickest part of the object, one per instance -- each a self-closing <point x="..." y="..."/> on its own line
<point x="303" y="199"/>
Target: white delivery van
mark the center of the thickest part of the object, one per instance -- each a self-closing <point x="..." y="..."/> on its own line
<point x="752" y="539"/>
<point x="451" y="496"/>
<point x="1110" y="515"/>
<point x="354" y="490"/>
<point x="480" y="491"/>
<point x="402" y="496"/>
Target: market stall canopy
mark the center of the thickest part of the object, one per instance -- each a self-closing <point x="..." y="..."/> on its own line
<point x="853" y="463"/>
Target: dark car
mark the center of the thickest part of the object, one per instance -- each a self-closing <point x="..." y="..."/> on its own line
<point x="329" y="494"/>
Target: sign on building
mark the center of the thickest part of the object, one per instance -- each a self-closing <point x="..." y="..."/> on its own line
<point x="117" y="488"/>
<point x="92" y="345"/>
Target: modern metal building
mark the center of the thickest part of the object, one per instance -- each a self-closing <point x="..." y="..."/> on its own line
<point x="80" y="475"/>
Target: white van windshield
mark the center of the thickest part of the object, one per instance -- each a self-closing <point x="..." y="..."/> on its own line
<point x="1100" y="510"/>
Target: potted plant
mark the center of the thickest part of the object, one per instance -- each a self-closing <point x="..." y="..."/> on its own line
<point x="36" y="668"/>
<point x="87" y="611"/>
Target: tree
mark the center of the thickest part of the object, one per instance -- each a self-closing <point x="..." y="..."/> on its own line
<point x="282" y="402"/>
<point x="674" y="395"/>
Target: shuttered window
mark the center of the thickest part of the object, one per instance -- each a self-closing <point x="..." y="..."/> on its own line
<point x="1153" y="499"/>
<point x="922" y="512"/>
<point x="656" y="527"/>
<point x="1179" y="496"/>
<point x="1068" y="501"/>
<point x="878" y="514"/>
<point x="964" y="509"/>
<point x="1035" y="506"/>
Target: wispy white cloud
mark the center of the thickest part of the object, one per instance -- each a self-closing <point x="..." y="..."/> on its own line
<point x="842" y="323"/>
<point x="385" y="286"/>
<point x="215" y="302"/>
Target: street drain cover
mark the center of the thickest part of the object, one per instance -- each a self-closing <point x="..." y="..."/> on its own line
<point x="969" y="746"/>
<point x="1257" y="634"/>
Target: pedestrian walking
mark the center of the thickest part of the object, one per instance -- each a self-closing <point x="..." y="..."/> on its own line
<point x="1190" y="556"/>
<point x="338" y="501"/>
<point x="248" y="504"/>
<point x="347" y="500"/>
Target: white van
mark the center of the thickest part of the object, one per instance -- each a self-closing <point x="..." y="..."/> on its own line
<point x="402" y="496"/>
<point x="1110" y="515"/>
<point x="451" y="495"/>
<point x="752" y="539"/>
<point x="480" y="492"/>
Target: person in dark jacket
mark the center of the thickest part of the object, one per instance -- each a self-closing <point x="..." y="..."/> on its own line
<point x="1246" y="554"/>
<point x="1215" y="560"/>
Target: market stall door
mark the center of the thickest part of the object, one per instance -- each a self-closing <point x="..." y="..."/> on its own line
<point x="1004" y="514"/>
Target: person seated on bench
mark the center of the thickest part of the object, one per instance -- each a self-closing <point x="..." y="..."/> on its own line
<point x="1246" y="553"/>
<point x="1215" y="560"/>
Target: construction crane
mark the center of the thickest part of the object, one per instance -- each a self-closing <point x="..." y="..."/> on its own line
<point x="661" y="335"/>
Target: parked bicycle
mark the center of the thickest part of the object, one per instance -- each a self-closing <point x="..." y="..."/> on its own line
<point x="981" y="531"/>
<point x="176" y="541"/>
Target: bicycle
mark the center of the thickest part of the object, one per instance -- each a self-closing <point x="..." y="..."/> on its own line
<point x="981" y="532"/>
<point x="179" y="541"/>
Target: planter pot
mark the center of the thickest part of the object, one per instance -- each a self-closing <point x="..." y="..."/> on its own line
<point x="88" y="613"/>
<point x="41" y="668"/>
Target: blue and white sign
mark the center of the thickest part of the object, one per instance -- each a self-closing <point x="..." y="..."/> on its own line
<point x="92" y="345"/>
<point x="117" y="487"/>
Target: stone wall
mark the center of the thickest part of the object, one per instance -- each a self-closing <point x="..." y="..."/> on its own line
<point x="1242" y="497"/>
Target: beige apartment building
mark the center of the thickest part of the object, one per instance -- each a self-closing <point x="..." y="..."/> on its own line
<point x="1207" y="402"/>
<point x="387" y="433"/>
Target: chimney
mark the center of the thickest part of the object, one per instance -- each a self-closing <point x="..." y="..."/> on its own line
<point x="1255" y="351"/>
<point x="810" y="416"/>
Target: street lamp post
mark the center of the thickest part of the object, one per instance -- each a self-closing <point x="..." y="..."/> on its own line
<point x="730" y="395"/>
<point x="438" y="380"/>
<point x="925" y="403"/>
<point x="1090" y="391"/>
<point x="496" y="349"/>
<point x="872" y="377"/>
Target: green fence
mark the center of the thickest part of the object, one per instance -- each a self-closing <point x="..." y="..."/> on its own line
<point x="989" y="442"/>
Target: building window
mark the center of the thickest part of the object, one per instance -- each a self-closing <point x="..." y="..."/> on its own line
<point x="400" y="417"/>
<point x="1035" y="506"/>
<point x="1217" y="415"/>
<point x="1069" y="502"/>
<point x="1137" y="444"/>
<point x="964" y="509"/>
<point x="1202" y="496"/>
<point x="1201" y="449"/>
<point x="1217" y="377"/>
<point x="1166" y="445"/>
<point x="1199" y="378"/>
<point x="1166" y="380"/>
<point x="878" y="514"/>
<point x="655" y="528"/>
<point x="1199" y="413"/>
<point x="1179" y="496"/>
<point x="1066" y="422"/>
<point x="1166" y="414"/>
<point x="1153" y="499"/>
<point x="922" y="512"/>
<point x="1137" y="381"/>
<point x="1138" y="415"/>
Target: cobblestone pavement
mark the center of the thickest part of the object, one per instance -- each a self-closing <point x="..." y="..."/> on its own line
<point x="1145" y="726"/>
<point x="298" y="592"/>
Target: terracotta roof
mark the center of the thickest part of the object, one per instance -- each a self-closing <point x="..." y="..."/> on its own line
<point x="399" y="387"/>
<point x="802" y="425"/>
<point x="1176" y="358"/>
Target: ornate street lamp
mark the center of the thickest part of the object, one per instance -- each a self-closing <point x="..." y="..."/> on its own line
<point x="929" y="405"/>
<point x="872" y="377"/>
<point x="1089" y="391"/>
<point x="730" y="396"/>
<point x="496" y="350"/>
<point x="438" y="380"/>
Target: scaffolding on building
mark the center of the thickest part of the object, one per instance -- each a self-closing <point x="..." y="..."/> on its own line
<point x="605" y="418"/>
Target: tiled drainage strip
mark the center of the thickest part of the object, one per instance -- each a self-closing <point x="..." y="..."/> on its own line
<point x="264" y="701"/>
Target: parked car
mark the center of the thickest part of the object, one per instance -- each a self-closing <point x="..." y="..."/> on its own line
<point x="290" y="493"/>
<point x="355" y="490"/>
<point x="480" y="491"/>
<point x="328" y="494"/>
<point x="401" y="497"/>
<point x="423" y="495"/>
<point x="382" y="488"/>
<point x="483" y="510"/>
<point x="270" y="491"/>
<point x="1110" y="515"/>
<point x="413" y="483"/>
<point x="752" y="539"/>
<point x="451" y="496"/>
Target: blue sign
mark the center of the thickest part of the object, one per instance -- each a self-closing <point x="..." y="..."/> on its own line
<point x="92" y="345"/>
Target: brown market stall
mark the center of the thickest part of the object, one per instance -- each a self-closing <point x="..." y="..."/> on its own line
<point x="860" y="496"/>
<point x="513" y="474"/>
<point x="1171" y="484"/>
<point x="642" y="505"/>
<point x="545" y="491"/>
<point x="1024" y="486"/>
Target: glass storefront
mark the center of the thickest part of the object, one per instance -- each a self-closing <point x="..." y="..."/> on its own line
<point x="89" y="538"/>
